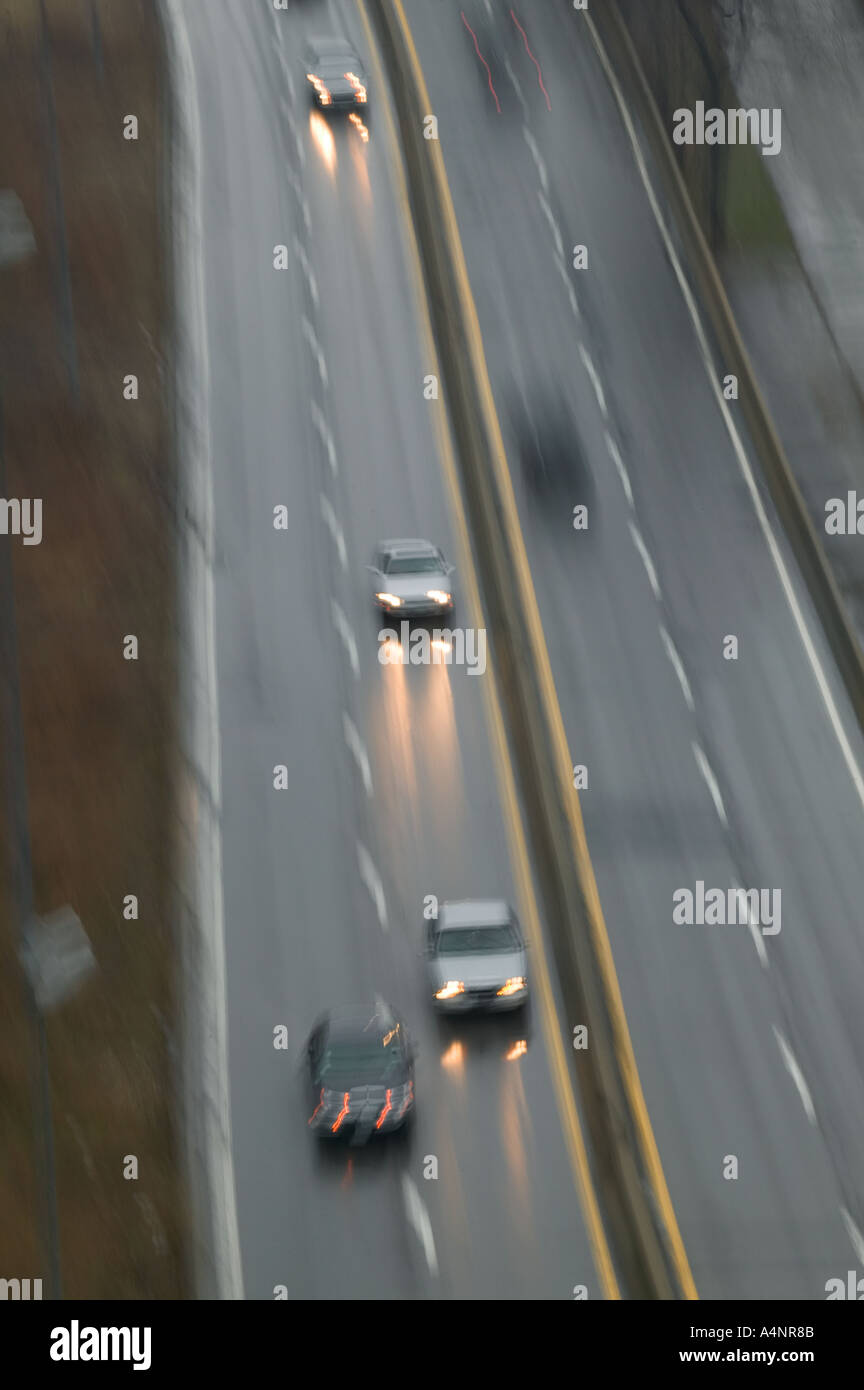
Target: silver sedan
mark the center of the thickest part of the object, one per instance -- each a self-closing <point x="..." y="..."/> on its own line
<point x="412" y="579"/>
<point x="476" y="957"/>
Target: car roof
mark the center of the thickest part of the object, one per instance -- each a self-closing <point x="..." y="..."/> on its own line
<point x="408" y="547"/>
<point x="481" y="912"/>
<point x="332" y="47"/>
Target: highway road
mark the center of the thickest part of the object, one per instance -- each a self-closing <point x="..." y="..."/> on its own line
<point x="406" y="805"/>
<point x="699" y="768"/>
<point x="704" y="1012"/>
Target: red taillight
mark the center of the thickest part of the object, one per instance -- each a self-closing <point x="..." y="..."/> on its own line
<point x="385" y="1112"/>
<point x="317" y="1107"/>
<point x="320" y="90"/>
<point x="342" y="1113"/>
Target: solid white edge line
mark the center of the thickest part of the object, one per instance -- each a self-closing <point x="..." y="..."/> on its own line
<point x="209" y="1018"/>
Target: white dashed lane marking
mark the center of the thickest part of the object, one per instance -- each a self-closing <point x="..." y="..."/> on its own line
<point x="323" y="429"/>
<point x="797" y="1076"/>
<point x="358" y="748"/>
<point x="636" y="537"/>
<point x="753" y="924"/>
<point x="537" y="157"/>
<point x="517" y="86"/>
<point x="419" y="1218"/>
<point x="335" y="530"/>
<point x="588" y="363"/>
<point x="300" y="251"/>
<point x="678" y="667"/>
<point x="615" y="455"/>
<point x="315" y="347"/>
<point x="372" y="879"/>
<point x="550" y="218"/>
<point x="343" y="627"/>
<point x="710" y="781"/>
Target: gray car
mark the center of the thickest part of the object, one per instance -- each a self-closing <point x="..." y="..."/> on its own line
<point x="411" y="579"/>
<point x="336" y="75"/>
<point x="476" y="957"/>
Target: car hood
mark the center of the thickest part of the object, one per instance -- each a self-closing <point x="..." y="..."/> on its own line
<point x="477" y="971"/>
<point x="411" y="586"/>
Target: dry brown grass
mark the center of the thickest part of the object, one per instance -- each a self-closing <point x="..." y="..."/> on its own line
<point x="99" y="731"/>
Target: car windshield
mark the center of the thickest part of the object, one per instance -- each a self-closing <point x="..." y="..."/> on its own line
<point x="356" y="1063"/>
<point x="414" y="564"/>
<point x="458" y="941"/>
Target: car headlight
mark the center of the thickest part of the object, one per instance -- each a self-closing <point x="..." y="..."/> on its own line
<point x="390" y="599"/>
<point x="513" y="985"/>
<point x="438" y="595"/>
<point x="359" y="89"/>
<point x="450" y="990"/>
